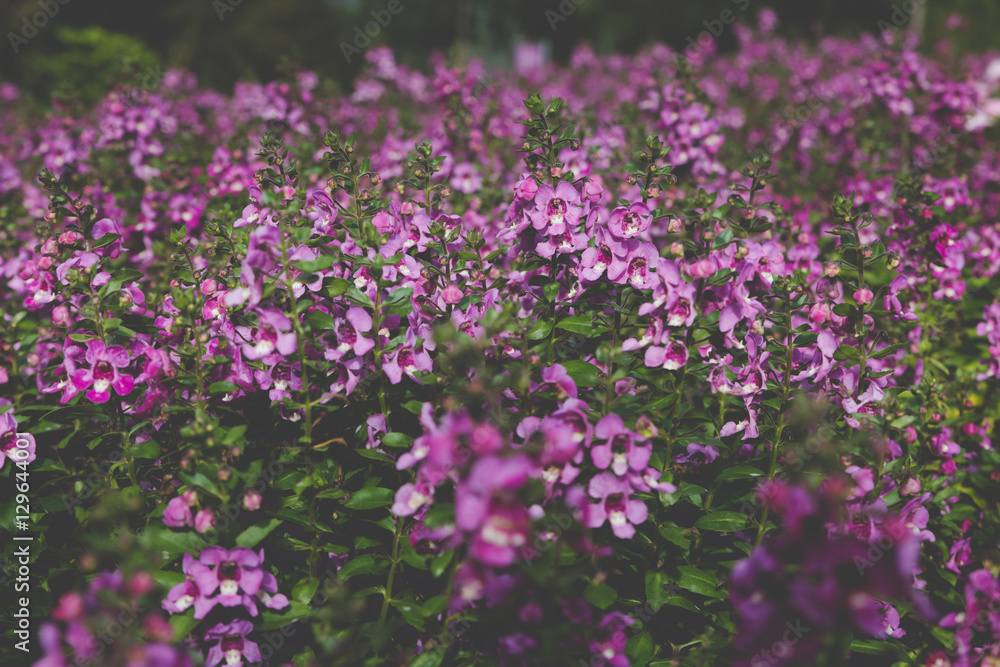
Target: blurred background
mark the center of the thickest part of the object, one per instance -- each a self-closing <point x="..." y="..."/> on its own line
<point x="83" y="47"/>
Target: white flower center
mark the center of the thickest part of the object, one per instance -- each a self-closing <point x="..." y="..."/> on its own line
<point x="229" y="587"/>
<point x="417" y="499"/>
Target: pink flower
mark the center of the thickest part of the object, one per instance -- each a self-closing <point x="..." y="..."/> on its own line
<point x="177" y="513"/>
<point x="526" y="188"/>
<point x="452" y="294"/>
<point x="863" y="296"/>
<point x="233" y="644"/>
<point x="487" y="507"/>
<point x="18" y="447"/>
<point x="614" y="505"/>
<point x="556" y="209"/>
<point x="187" y="594"/>
<point x="637" y="267"/>
<point x="273" y="335"/>
<point x="620" y="450"/>
<point x="349" y="334"/>
<point x="626" y="223"/>
<point x="385" y="223"/>
<point x="252" y="500"/>
<point x="204" y="521"/>
<point x="104" y="372"/>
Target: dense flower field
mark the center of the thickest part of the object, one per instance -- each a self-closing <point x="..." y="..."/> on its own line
<point x="645" y="360"/>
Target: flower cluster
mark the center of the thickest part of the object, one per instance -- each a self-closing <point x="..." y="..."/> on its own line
<point x="507" y="361"/>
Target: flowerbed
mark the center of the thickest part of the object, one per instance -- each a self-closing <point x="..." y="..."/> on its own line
<point x="669" y="362"/>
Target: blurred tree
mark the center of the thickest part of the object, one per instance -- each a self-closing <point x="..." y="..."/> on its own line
<point x="225" y="40"/>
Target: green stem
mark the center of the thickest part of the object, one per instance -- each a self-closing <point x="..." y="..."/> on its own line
<point x="387" y="595"/>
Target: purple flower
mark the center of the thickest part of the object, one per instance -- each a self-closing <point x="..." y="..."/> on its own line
<point x="187" y="594"/>
<point x="626" y="223"/>
<point x="698" y="455"/>
<point x="637" y="267"/>
<point x="18" y="447"/>
<point x="619" y="450"/>
<point x="177" y="513"/>
<point x="487" y="507"/>
<point x="104" y="372"/>
<point x="614" y="505"/>
<point x="349" y="334"/>
<point x="273" y="335"/>
<point x="556" y="210"/>
<point x="233" y="645"/>
<point x="236" y="574"/>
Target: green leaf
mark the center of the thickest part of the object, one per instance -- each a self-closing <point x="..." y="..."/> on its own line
<point x="271" y="620"/>
<point x="584" y="374"/>
<point x="252" y="536"/>
<point x="601" y="596"/>
<point x="182" y="625"/>
<point x="640" y="648"/>
<point x="886" y="351"/>
<point x="313" y="265"/>
<point x="397" y="439"/>
<point x="147" y="449"/>
<point x="846" y="352"/>
<point x="222" y="387"/>
<point x="333" y="287"/>
<point x="106" y="240"/>
<point x="723" y="522"/>
<point x="370" y="497"/>
<point x="539" y="330"/>
<point x="656" y="593"/>
<point x="441" y="562"/>
<point x="363" y="564"/>
<point x="432" y="658"/>
<point x="440" y="514"/>
<point x="176" y="544"/>
<point x="305" y="590"/>
<point x="581" y="324"/>
<point x="673" y="534"/>
<point x="738" y="472"/>
<point x="319" y="319"/>
<point x="700" y="582"/>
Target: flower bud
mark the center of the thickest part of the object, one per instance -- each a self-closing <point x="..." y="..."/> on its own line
<point x="204" y="521"/>
<point x="863" y="296"/>
<point x="832" y="269"/>
<point x="140" y="583"/>
<point x="452" y="294"/>
<point x="252" y="500"/>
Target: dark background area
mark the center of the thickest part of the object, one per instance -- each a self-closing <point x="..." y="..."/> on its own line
<point x="87" y="46"/>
